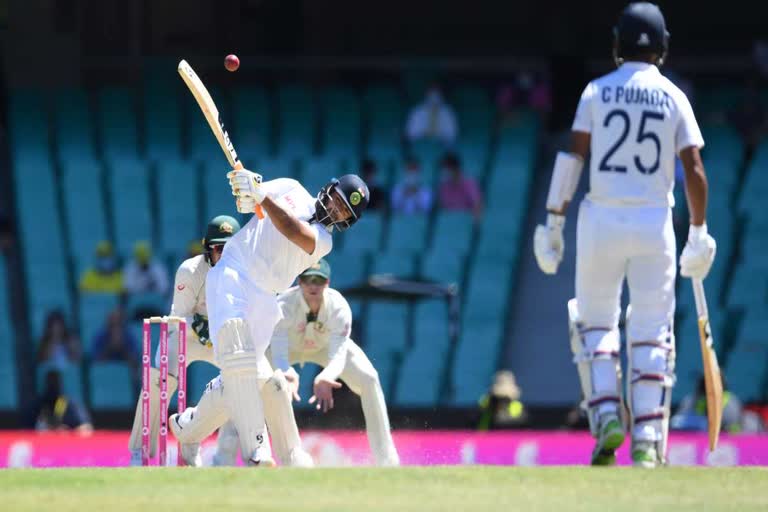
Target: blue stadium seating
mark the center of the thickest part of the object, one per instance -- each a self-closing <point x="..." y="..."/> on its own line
<point x="253" y="133"/>
<point x="73" y="128"/>
<point x="118" y="125"/>
<point x="131" y="204"/>
<point x="177" y="204"/>
<point x="407" y="233"/>
<point x="111" y="386"/>
<point x="296" y="135"/>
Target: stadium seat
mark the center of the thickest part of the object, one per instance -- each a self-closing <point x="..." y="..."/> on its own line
<point x="453" y="232"/>
<point x="366" y="235"/>
<point x="397" y="264"/>
<point x="162" y="119"/>
<point x="475" y="361"/>
<point x="317" y="172"/>
<point x="217" y="194"/>
<point x="28" y="123"/>
<point x="94" y="311"/>
<point x="443" y="267"/>
<point x="252" y="132"/>
<point x="72" y="122"/>
<point x="117" y="123"/>
<point x="307" y="374"/>
<point x="348" y="268"/>
<point x="421" y="374"/>
<point x="84" y="206"/>
<point x="111" y="386"/>
<point x="499" y="236"/>
<point x="407" y="233"/>
<point x="9" y="399"/>
<point x="342" y="123"/>
<point x="487" y="293"/>
<point x="178" y="218"/>
<point x="384" y="109"/>
<point x="749" y="286"/>
<point x="131" y="206"/>
<point x="747" y="362"/>
<point x="385" y="337"/>
<point x="296" y="134"/>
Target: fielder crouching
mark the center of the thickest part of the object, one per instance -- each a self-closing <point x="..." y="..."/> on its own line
<point x="315" y="328"/>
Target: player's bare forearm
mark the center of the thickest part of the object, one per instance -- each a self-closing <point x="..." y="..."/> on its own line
<point x="695" y="184"/>
<point x="289" y="226"/>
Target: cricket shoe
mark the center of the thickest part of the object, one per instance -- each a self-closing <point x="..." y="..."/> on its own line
<point x="610" y="437"/>
<point x="299" y="458"/>
<point x="262" y="461"/>
<point x="644" y="455"/>
<point x="190" y="452"/>
<point x="135" y="458"/>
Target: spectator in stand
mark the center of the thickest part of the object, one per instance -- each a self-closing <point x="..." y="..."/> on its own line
<point x="114" y="342"/>
<point x="59" y="346"/>
<point x="457" y="191"/>
<point x="749" y="118"/>
<point x="692" y="412"/>
<point x="378" y="196"/>
<point x="432" y="119"/>
<point x="56" y="411"/>
<point x="540" y="97"/>
<point x="144" y="274"/>
<point x="501" y="406"/>
<point x="105" y="276"/>
<point x="411" y="196"/>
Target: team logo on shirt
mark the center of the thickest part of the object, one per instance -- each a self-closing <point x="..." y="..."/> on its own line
<point x="226" y="227"/>
<point x="355" y="198"/>
<point x="180" y="287"/>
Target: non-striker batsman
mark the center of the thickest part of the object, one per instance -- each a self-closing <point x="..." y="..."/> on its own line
<point x="634" y="122"/>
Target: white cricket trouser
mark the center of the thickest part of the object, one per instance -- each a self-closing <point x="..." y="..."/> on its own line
<point x="241" y="317"/>
<point x="636" y="243"/>
<point x="363" y="379"/>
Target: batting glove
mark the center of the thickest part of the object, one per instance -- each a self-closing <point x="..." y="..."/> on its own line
<point x="245" y="183"/>
<point x="698" y="253"/>
<point x="548" y="244"/>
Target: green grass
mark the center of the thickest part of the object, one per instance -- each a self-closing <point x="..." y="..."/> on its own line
<point x="444" y="489"/>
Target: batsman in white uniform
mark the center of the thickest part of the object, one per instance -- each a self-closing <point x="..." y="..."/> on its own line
<point x="633" y="122"/>
<point x="315" y="328"/>
<point x="260" y="261"/>
<point x="189" y="302"/>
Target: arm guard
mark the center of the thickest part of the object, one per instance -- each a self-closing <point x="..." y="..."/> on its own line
<point x="565" y="179"/>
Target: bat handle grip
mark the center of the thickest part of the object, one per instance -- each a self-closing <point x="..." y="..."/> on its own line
<point x="259" y="211"/>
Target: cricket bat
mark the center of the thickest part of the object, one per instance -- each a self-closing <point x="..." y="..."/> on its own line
<point x="211" y="113"/>
<point x="713" y="382"/>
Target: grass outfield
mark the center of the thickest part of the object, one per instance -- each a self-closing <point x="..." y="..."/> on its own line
<point x="443" y="489"/>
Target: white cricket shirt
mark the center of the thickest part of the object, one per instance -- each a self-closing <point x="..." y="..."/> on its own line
<point x="295" y="339"/>
<point x="263" y="254"/>
<point x="639" y="121"/>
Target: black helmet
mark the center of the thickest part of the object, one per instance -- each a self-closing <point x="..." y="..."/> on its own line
<point x="352" y="190"/>
<point x="641" y="28"/>
<point x="219" y="230"/>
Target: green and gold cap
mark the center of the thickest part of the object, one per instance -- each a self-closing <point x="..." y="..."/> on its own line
<point x="322" y="269"/>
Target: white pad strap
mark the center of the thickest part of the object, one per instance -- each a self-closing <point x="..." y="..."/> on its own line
<point x="281" y="421"/>
<point x="197" y="423"/>
<point x="565" y="179"/>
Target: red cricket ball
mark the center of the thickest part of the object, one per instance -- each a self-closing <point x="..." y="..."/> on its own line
<point x="231" y="62"/>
